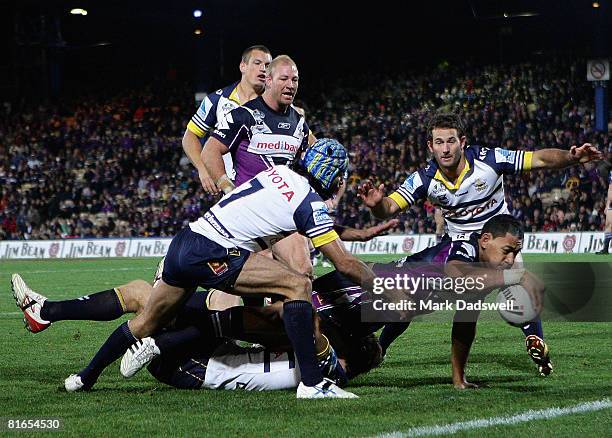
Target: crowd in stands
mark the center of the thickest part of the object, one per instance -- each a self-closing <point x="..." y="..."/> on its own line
<point x="105" y="167"/>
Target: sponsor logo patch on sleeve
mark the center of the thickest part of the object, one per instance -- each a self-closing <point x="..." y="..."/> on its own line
<point x="320" y="214"/>
<point x="409" y="183"/>
<point x="505" y="156"/>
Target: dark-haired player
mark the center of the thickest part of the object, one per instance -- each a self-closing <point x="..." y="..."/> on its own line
<point x="219" y="251"/>
<point x="466" y="183"/>
<point x="217" y="105"/>
<point x="340" y="301"/>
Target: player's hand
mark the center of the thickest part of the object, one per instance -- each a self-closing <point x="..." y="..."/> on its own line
<point x="331" y="205"/>
<point x="585" y="153"/>
<point x="535" y="288"/>
<point x="370" y="195"/>
<point x="381" y="229"/>
<point x="208" y="183"/>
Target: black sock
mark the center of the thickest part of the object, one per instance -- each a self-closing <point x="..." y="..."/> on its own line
<point x="101" y="306"/>
<point x="253" y="301"/>
<point x="298" y="325"/>
<point x="228" y="323"/>
<point x="114" y="347"/>
<point x="390" y="333"/>
<point x="171" y="341"/>
<point x="533" y="328"/>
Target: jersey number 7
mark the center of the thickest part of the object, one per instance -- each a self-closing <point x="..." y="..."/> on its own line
<point x="253" y="186"/>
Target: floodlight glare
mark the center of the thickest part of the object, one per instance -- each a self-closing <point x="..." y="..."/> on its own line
<point x="78" y="11"/>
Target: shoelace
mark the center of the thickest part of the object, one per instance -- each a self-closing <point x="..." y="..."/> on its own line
<point x="143" y="352"/>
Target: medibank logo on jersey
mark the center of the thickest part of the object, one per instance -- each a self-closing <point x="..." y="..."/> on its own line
<point x="278" y="146"/>
<point x="274" y="144"/>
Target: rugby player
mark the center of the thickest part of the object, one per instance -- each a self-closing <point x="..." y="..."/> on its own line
<point x="233" y="367"/>
<point x="217" y="105"/>
<point x="265" y="131"/>
<point x="466" y="183"/>
<point x="495" y="249"/>
<point x="196" y="354"/>
<point x="339" y="300"/>
<point x="216" y="251"/>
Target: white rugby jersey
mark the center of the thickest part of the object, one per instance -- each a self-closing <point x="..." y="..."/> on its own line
<point x="265" y="209"/>
<point x="259" y="137"/>
<point x="214" y="108"/>
<point x="250" y="370"/>
<point x="478" y="193"/>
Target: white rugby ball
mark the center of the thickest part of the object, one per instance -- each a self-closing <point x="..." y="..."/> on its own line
<point x="519" y="308"/>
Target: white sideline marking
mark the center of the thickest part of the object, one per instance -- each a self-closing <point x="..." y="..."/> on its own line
<point x="51" y="271"/>
<point x="543" y="414"/>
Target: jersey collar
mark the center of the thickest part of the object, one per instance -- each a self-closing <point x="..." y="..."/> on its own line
<point x="234" y="95"/>
<point x="449" y="185"/>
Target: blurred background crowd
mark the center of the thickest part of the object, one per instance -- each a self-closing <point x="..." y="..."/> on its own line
<point x="113" y="166"/>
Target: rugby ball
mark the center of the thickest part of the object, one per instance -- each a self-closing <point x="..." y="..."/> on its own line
<point x="515" y="305"/>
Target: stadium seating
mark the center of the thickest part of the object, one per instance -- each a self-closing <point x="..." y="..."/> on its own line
<point x="113" y="166"/>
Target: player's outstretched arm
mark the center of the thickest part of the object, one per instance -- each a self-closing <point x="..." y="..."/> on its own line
<point x="491" y="279"/>
<point x="356" y="235"/>
<point x="346" y="263"/>
<point x="374" y="198"/>
<point x="212" y="157"/>
<point x="559" y="158"/>
<point x="487" y="278"/>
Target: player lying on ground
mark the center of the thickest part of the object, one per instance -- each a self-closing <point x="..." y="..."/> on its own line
<point x="217" y="252"/>
<point x="337" y="299"/>
<point x="232" y="367"/>
<point x="195" y="353"/>
<point x="340" y="302"/>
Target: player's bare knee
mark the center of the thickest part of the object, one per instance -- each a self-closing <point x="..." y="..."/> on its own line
<point x="300" y="287"/>
<point x="306" y="269"/>
<point x="135" y="295"/>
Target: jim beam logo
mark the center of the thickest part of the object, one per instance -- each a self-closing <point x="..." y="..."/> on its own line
<point x="408" y="244"/>
<point x="569" y="242"/>
<point x="120" y="248"/>
<point x="54" y="249"/>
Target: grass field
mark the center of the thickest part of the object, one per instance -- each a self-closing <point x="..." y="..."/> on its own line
<point x="411" y="389"/>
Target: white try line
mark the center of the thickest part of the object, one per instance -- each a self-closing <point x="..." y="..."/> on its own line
<point x="52" y="271"/>
<point x="543" y="414"/>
